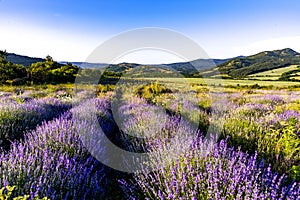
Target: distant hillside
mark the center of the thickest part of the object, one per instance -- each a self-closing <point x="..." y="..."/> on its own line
<point x="267" y="60"/>
<point x="238" y="67"/>
<point x="187" y="69"/>
<point x="194" y="67"/>
<point x="86" y="65"/>
<point x="23" y="60"/>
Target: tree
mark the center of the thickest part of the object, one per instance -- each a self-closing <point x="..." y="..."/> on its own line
<point x="49" y="59"/>
<point x="3" y="56"/>
<point x="51" y="71"/>
<point x="10" y="71"/>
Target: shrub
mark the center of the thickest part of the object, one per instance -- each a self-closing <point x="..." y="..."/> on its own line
<point x="151" y="90"/>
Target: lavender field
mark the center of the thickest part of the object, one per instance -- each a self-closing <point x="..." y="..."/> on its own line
<point x="201" y="144"/>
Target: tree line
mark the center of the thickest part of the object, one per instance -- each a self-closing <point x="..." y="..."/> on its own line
<point x="47" y="72"/>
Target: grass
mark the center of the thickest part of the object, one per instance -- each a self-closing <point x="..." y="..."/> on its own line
<point x="207" y="72"/>
<point x="296" y="77"/>
<point x="220" y="76"/>
<point x="265" y="78"/>
<point x="8" y="88"/>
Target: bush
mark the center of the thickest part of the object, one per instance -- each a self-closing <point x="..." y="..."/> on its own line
<point x="151" y="90"/>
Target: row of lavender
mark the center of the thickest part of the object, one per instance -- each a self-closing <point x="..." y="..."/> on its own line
<point x="205" y="169"/>
<point x="255" y="121"/>
<point x="268" y="124"/>
<point x="19" y="117"/>
<point x="53" y="162"/>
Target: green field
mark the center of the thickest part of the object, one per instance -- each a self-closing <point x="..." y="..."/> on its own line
<point x="296" y="77"/>
<point x="273" y="74"/>
<point x="225" y="82"/>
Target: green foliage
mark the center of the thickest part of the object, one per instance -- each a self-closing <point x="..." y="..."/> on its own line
<point x="3" y="56"/>
<point x="295" y="172"/>
<point x="281" y="145"/>
<point x="242" y="132"/>
<point x="52" y="72"/>
<point x="104" y="88"/>
<point x="273" y="74"/>
<point x="6" y="193"/>
<point x="10" y="71"/>
<point x="204" y="104"/>
<point x="276" y="144"/>
<point x="293" y="106"/>
<point x="286" y="76"/>
<point x="250" y="85"/>
<point x="47" y="71"/>
<point x="151" y="90"/>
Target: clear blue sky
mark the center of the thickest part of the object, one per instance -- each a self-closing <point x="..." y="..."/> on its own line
<point x="70" y="30"/>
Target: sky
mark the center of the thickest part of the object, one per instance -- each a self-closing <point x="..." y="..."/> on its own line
<point x="70" y="30"/>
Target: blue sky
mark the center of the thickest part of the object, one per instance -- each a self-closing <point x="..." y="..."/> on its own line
<point x="71" y="30"/>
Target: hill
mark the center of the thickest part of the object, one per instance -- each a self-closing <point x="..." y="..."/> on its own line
<point x="23" y="60"/>
<point x="193" y="68"/>
<point x="187" y="69"/>
<point x="238" y="67"/>
<point x="264" y="61"/>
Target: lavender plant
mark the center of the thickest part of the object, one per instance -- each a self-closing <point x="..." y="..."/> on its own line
<point x="15" y="118"/>
<point x="213" y="173"/>
<point x="260" y="127"/>
<point x="53" y="162"/>
<point x="55" y="159"/>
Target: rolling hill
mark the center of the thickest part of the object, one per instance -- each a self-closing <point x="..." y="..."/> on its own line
<point x="238" y="68"/>
<point x="264" y="61"/>
<point x="200" y="65"/>
<point x="186" y="69"/>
